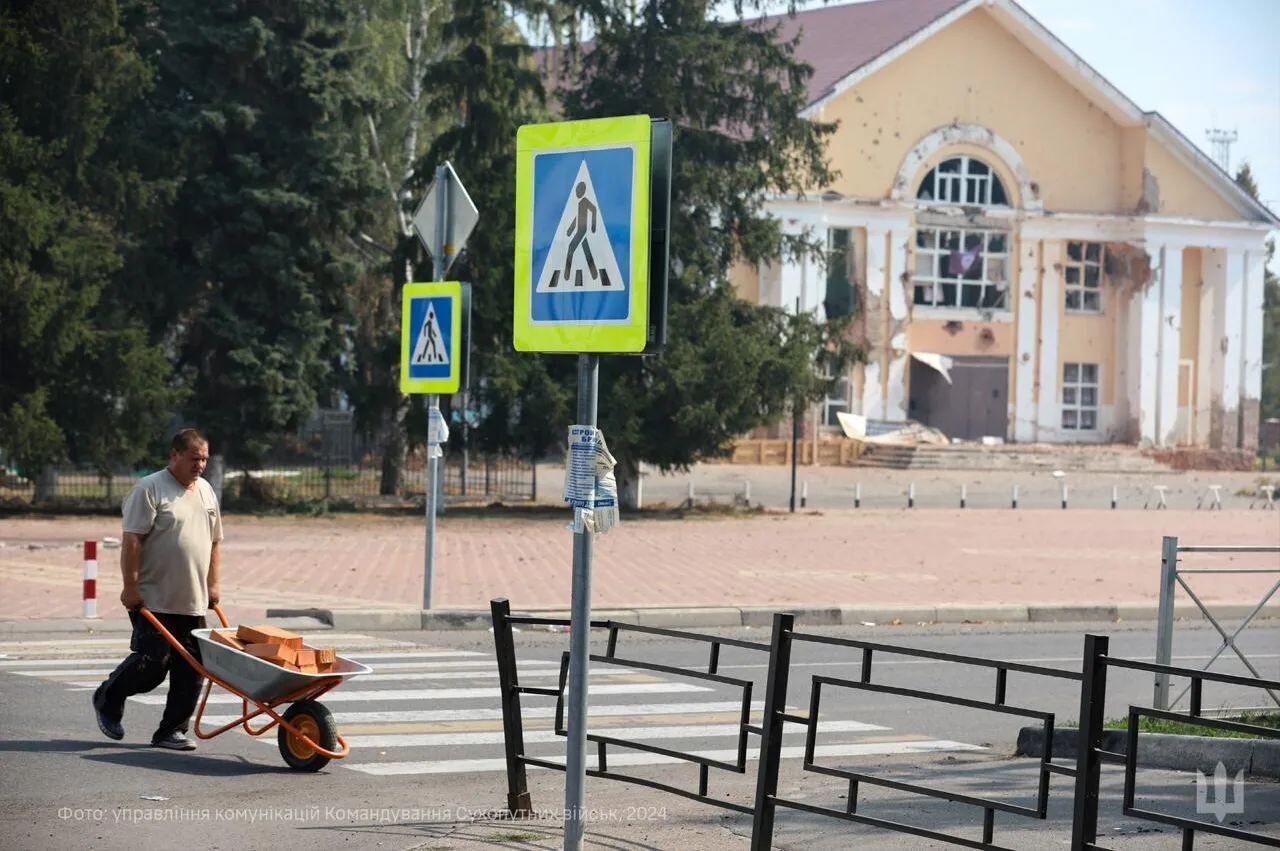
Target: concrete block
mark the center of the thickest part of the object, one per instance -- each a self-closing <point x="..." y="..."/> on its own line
<point x="761" y="617"/>
<point x="886" y="615"/>
<point x="690" y="617"/>
<point x="454" y="619"/>
<point x="1137" y="611"/>
<point x="1061" y="614"/>
<point x="361" y="620"/>
<point x="1001" y="613"/>
<point x="321" y="615"/>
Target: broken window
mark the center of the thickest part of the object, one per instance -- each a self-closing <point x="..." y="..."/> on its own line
<point x="1080" y="396"/>
<point x="1082" y="276"/>
<point x="963" y="180"/>
<point x="961" y="268"/>
<point x="838" y="302"/>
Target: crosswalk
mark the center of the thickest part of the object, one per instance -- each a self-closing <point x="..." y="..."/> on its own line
<point x="429" y="710"/>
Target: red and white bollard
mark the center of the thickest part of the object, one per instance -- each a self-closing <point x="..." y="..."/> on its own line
<point x="90" y="579"/>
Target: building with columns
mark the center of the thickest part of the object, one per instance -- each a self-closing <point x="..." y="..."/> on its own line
<point x="1024" y="252"/>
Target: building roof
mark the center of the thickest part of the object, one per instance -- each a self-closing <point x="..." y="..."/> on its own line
<point x="838" y="40"/>
<point x="845" y="43"/>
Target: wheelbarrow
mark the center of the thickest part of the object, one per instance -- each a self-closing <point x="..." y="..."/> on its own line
<point x="307" y="735"/>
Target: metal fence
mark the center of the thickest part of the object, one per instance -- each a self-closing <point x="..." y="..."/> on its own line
<point x="288" y="482"/>
<point x="1086" y="770"/>
<point x="1172" y="576"/>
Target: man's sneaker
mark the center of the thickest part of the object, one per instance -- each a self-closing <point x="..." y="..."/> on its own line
<point x="175" y="741"/>
<point x="111" y="729"/>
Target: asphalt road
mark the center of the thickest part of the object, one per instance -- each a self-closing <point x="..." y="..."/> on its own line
<point x="426" y="763"/>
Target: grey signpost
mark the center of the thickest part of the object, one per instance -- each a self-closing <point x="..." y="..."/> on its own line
<point x="443" y="221"/>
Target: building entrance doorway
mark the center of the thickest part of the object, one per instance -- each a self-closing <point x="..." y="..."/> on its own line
<point x="974" y="405"/>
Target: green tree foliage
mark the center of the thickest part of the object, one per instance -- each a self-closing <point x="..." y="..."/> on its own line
<point x="734" y="93"/>
<point x="1270" y="402"/>
<point x="79" y="380"/>
<point x="250" y="273"/>
<point x="483" y="88"/>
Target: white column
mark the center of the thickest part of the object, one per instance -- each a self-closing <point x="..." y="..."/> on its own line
<point x="791" y="275"/>
<point x="877" y="272"/>
<point x="1169" y="344"/>
<point x="1049" y="405"/>
<point x="1213" y="286"/>
<point x="1232" y="346"/>
<point x="1024" y="354"/>
<point x="1146" y="317"/>
<point x="1251" y="347"/>
<point x="897" y="285"/>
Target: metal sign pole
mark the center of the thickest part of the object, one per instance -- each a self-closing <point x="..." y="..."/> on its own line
<point x="579" y="636"/>
<point x="438" y="265"/>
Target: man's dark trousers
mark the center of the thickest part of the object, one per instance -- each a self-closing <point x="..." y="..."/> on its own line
<point x="145" y="668"/>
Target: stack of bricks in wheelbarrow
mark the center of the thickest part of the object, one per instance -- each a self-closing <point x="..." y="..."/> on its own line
<point x="278" y="646"/>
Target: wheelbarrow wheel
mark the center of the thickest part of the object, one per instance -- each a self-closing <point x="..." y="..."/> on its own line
<point x="316" y="722"/>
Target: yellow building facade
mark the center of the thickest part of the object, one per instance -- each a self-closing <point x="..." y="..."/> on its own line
<point x="1025" y="253"/>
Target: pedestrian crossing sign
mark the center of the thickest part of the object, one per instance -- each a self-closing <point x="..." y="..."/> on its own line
<point x="583" y="235"/>
<point x="430" y="331"/>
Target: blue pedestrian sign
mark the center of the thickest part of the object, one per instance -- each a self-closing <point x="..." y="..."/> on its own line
<point x="582" y="236"/>
<point x="430" y="332"/>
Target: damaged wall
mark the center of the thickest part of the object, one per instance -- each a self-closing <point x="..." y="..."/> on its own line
<point x="1070" y="147"/>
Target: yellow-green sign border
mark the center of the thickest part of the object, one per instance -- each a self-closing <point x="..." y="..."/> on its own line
<point x="452" y="289"/>
<point x="564" y="136"/>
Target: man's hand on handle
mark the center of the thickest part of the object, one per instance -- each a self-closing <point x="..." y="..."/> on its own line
<point x="130" y="597"/>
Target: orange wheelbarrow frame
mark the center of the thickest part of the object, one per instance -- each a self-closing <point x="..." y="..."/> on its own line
<point x="311" y="691"/>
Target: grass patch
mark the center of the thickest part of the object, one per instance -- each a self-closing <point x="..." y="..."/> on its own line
<point x="1147" y="724"/>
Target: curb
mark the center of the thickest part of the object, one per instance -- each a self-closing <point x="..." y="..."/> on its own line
<point x="1255" y="757"/>
<point x="690" y="617"/>
<point x="687" y="617"/>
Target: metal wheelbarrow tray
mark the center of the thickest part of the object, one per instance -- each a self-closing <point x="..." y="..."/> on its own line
<point x="307" y="735"/>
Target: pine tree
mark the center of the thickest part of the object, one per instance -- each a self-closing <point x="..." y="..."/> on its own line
<point x="483" y="89"/>
<point x="249" y="275"/>
<point x="79" y="379"/>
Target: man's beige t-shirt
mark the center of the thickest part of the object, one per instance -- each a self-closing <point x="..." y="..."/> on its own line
<point x="181" y="527"/>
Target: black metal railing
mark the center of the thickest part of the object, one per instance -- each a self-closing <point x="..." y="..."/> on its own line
<point x="511" y="690"/>
<point x="1087" y="773"/>
<point x="767" y="799"/>
<point x="1092" y="756"/>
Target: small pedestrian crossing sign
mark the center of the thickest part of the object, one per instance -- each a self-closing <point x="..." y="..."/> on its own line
<point x="430" y="334"/>
<point x="582" y="235"/>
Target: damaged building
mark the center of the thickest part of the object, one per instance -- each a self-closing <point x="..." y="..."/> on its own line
<point x="1022" y="251"/>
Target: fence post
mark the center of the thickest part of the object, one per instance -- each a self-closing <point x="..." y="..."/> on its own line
<point x="518" y="803"/>
<point x="775" y="704"/>
<point x="1093" y="703"/>
<point x="1164" y="618"/>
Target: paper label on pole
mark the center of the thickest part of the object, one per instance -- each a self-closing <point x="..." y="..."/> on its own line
<point x="589" y="484"/>
<point x="437" y="432"/>
<point x="580" y="467"/>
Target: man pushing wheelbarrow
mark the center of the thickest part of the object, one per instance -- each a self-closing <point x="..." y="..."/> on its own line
<point x="169" y="561"/>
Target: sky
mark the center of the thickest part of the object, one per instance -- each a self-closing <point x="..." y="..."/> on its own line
<point x="1199" y="63"/>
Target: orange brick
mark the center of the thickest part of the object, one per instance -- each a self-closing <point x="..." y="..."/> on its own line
<point x="305" y="658"/>
<point x="224" y="636"/>
<point x="326" y="655"/>
<point x="279" y="654"/>
<point x="268" y="635"/>
<point x="308" y="669"/>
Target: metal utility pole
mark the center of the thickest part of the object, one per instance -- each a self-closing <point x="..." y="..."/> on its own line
<point x="795" y="425"/>
<point x="575" y="775"/>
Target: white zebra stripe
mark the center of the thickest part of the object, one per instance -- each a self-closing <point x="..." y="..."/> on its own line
<point x="473" y="766"/>
<point x="366" y="696"/>
<point x="684" y="731"/>
<point x="427" y="716"/>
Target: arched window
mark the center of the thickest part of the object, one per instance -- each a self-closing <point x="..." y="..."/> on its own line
<point x="963" y="180"/>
